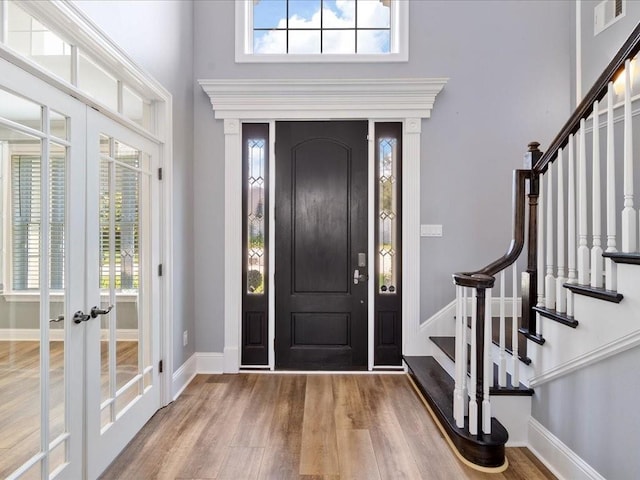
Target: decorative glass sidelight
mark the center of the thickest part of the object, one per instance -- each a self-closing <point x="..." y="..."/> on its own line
<point x="388" y="241"/>
<point x="256" y="148"/>
<point x="255" y="208"/>
<point x="388" y="214"/>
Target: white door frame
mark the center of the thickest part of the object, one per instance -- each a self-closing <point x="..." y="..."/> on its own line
<point x="243" y="100"/>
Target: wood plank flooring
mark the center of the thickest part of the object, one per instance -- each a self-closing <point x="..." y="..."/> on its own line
<point x="20" y="396"/>
<point x="293" y="426"/>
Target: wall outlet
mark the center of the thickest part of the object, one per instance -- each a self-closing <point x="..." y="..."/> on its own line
<point x="185" y="338"/>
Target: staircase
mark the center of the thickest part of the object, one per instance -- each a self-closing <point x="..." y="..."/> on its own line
<point x="576" y="300"/>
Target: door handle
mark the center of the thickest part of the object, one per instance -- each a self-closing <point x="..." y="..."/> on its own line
<point x="95" y="311"/>
<point x="80" y="316"/>
<point x="359" y="277"/>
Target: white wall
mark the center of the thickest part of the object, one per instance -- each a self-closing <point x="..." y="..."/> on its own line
<point x="158" y="35"/>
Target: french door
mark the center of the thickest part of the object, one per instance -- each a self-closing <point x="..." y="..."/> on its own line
<point x="122" y="341"/>
<point x="79" y="315"/>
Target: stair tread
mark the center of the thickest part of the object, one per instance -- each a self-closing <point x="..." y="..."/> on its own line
<point x="594" y="292"/>
<point x="628" y="258"/>
<point x="448" y="346"/>
<point x="437" y="387"/>
<point x="557" y="316"/>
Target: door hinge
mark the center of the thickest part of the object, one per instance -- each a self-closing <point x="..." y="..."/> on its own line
<point x="274" y="344"/>
<point x="160" y="366"/>
<point x="160" y="270"/>
<point x="160" y="173"/>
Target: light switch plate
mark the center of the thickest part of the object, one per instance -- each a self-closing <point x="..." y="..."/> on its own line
<point x="430" y="230"/>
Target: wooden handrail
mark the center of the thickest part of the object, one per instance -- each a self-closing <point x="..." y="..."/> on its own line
<point x="478" y="278"/>
<point x="630" y="48"/>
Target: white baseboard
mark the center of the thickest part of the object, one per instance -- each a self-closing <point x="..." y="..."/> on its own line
<point x="57" y="334"/>
<point x="210" y="363"/>
<point x="183" y="376"/>
<point x="563" y="462"/>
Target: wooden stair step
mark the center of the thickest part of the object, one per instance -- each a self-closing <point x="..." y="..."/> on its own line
<point x="557" y="316"/>
<point x="486" y="450"/>
<point x="599" y="293"/>
<point x="448" y="346"/>
<point x="628" y="258"/>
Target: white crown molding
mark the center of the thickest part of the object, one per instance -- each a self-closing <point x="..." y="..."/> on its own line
<point x="281" y="99"/>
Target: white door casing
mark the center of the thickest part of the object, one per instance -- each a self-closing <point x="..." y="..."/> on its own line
<point x="243" y="100"/>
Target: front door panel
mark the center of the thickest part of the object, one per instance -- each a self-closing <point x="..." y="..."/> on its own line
<point x="321" y="227"/>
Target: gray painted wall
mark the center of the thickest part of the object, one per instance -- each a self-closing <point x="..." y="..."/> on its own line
<point x="592" y="411"/>
<point x="159" y="37"/>
<point x="598" y="50"/>
<point x="508" y="85"/>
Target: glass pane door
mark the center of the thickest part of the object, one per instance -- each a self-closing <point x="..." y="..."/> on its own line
<point x="41" y="356"/>
<point x="122" y="281"/>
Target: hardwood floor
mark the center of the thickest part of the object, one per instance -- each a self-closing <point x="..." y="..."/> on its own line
<point x="20" y="396"/>
<point x="290" y="426"/>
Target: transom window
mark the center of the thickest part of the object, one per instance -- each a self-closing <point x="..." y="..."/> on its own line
<point x="321" y="30"/>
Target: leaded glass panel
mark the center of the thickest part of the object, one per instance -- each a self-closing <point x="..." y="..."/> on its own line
<point x="256" y="148"/>
<point x="388" y="214"/>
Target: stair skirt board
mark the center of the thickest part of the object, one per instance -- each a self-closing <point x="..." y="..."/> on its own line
<point x="482" y="452"/>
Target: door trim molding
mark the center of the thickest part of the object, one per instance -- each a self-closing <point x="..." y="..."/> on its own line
<point x="409" y="100"/>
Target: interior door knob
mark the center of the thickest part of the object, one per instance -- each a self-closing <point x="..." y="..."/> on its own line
<point x="95" y="311"/>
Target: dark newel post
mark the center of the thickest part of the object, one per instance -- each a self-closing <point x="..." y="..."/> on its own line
<point x="480" y="302"/>
<point x="530" y="277"/>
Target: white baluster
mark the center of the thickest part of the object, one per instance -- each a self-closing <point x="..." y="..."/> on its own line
<point x="550" y="280"/>
<point x="458" y="400"/>
<point x="540" y="278"/>
<point x="473" y="404"/>
<point x="515" y="375"/>
<point x="465" y="343"/>
<point x="488" y="363"/>
<point x="502" y="364"/>
<point x="561" y="292"/>
<point x="583" y="248"/>
<point x="610" y="265"/>
<point x="629" y="233"/>
<point x="571" y="224"/>
<point x="596" y="216"/>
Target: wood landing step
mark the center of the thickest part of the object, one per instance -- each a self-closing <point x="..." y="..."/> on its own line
<point x="483" y="450"/>
<point x="448" y="346"/>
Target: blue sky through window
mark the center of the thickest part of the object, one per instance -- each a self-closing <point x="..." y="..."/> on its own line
<point x="270" y="18"/>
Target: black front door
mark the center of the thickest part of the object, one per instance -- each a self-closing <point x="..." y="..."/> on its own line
<point x="321" y="239"/>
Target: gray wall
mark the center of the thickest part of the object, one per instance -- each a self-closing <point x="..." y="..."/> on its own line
<point x="508" y="85"/>
<point x="590" y="410"/>
<point x="159" y="37"/>
<point x="594" y="413"/>
<point x="598" y="50"/>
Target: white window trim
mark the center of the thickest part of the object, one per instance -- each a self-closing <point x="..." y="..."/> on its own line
<point x="399" y="41"/>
